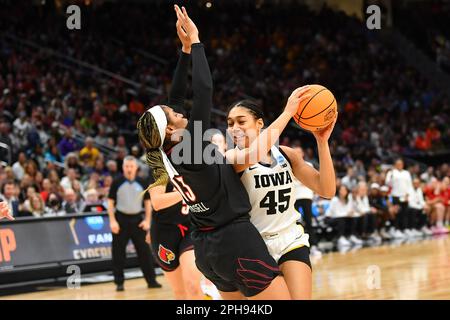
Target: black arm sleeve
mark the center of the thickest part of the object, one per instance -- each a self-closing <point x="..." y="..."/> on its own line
<point x="177" y="94"/>
<point x="201" y="109"/>
<point x="202" y="86"/>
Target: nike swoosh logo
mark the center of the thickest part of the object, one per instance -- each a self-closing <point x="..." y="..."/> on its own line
<point x="252" y="168"/>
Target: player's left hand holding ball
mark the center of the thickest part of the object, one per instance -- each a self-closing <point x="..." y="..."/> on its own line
<point x="5" y="212"/>
<point x="323" y="135"/>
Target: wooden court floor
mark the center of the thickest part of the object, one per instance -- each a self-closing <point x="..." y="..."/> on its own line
<point x="419" y="270"/>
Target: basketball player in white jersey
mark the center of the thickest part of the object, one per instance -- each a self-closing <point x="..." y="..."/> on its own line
<point x="269" y="180"/>
<point x="5" y="211"/>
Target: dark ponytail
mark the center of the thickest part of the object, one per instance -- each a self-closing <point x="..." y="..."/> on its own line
<point x="151" y="140"/>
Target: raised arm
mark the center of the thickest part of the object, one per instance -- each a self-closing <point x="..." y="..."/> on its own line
<point x="177" y="94"/>
<point x="242" y="159"/>
<point x="201" y="75"/>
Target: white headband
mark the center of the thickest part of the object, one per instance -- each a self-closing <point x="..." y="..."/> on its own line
<point x="161" y="121"/>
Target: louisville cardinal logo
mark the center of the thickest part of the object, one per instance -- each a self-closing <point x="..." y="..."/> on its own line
<point x="165" y="255"/>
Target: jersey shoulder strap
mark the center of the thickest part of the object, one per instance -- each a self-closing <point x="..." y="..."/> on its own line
<point x="279" y="156"/>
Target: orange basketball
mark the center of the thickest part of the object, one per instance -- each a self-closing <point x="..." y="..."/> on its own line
<point x="317" y="112"/>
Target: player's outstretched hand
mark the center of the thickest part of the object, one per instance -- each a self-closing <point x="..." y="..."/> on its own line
<point x="5" y="212"/>
<point x="187" y="24"/>
<point x="323" y="135"/>
<point x="184" y="38"/>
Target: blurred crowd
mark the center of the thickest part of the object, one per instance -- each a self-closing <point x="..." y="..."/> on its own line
<point x="390" y="203"/>
<point x="430" y="31"/>
<point x="67" y="129"/>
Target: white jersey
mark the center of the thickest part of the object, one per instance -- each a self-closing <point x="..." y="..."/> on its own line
<point x="302" y="191"/>
<point x="271" y="190"/>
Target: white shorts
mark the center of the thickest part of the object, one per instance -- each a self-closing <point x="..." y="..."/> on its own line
<point x="286" y="240"/>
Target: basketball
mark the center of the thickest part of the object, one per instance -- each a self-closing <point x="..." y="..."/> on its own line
<point x="317" y="112"/>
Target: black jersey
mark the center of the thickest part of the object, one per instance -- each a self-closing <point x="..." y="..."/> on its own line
<point x="176" y="214"/>
<point x="214" y="193"/>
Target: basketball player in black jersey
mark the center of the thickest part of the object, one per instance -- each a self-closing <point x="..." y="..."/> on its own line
<point x="229" y="250"/>
<point x="170" y="231"/>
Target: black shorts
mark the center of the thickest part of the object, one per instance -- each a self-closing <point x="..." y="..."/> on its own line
<point x="299" y="254"/>
<point x="235" y="258"/>
<point x="169" y="241"/>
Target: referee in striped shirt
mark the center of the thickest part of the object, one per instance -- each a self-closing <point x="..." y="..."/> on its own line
<point x="125" y="209"/>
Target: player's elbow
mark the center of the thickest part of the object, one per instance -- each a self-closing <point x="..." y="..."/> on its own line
<point x="157" y="204"/>
<point x="327" y="194"/>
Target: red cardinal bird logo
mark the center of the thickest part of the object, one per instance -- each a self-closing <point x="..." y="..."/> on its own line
<point x="165" y="254"/>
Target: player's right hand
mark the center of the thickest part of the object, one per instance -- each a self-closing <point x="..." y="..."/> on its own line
<point x="184" y="38"/>
<point x="114" y="227"/>
<point x="188" y="25"/>
<point x="297" y="96"/>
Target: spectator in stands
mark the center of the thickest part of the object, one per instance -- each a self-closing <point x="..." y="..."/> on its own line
<point x="445" y="194"/>
<point x="37" y="205"/>
<point x="427" y="175"/>
<point x="67" y="144"/>
<point x="435" y="203"/>
<point x="100" y="167"/>
<point x="417" y="209"/>
<point x="25" y="203"/>
<point x="367" y="213"/>
<point x="71" y="161"/>
<point x="122" y="144"/>
<point x="89" y="154"/>
<point x="53" y="206"/>
<point x="9" y="174"/>
<point x="401" y="183"/>
<point x="356" y="217"/>
<point x="68" y="180"/>
<point x="47" y="188"/>
<point x="339" y="211"/>
<point x="21" y="128"/>
<point x="53" y="176"/>
<point x="9" y="196"/>
<point x="101" y="138"/>
<point x="19" y="166"/>
<point x="6" y="138"/>
<point x="31" y="169"/>
<point x="422" y="142"/>
<point x="92" y="202"/>
<point x="93" y="182"/>
<point x="52" y="155"/>
<point x="71" y="203"/>
<point x="350" y="180"/>
<point x="111" y="165"/>
<point x="380" y="204"/>
<point x="144" y="169"/>
<point x="104" y="190"/>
